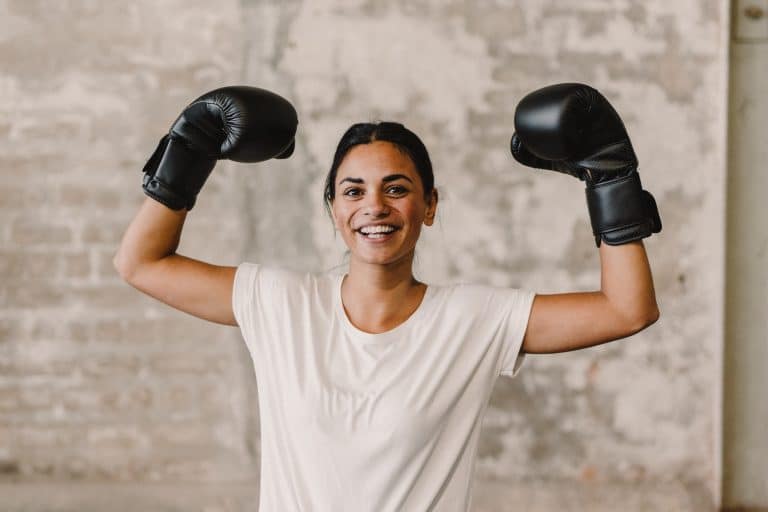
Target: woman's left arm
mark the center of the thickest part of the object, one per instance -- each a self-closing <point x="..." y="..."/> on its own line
<point x="625" y="304"/>
<point x="572" y="129"/>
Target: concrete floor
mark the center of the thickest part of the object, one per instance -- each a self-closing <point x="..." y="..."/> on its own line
<point x="241" y="497"/>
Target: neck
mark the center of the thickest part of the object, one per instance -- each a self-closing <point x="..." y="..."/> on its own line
<point x="381" y="278"/>
<point x="379" y="297"/>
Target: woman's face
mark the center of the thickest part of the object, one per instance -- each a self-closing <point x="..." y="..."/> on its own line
<point x="379" y="205"/>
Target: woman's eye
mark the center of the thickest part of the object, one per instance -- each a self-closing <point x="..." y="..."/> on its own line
<point x="397" y="189"/>
<point x="352" y="192"/>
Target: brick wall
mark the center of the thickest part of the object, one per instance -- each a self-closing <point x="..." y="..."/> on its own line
<point x="98" y="381"/>
<point x="105" y="388"/>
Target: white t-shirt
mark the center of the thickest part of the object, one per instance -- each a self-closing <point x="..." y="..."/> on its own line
<point x="353" y="421"/>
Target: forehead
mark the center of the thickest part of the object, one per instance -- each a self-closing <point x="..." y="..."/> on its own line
<point x="375" y="159"/>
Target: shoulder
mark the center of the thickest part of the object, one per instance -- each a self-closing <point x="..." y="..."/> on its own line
<point x="267" y="276"/>
<point x="480" y="300"/>
<point x="479" y="293"/>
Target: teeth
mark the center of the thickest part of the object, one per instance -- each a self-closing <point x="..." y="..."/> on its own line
<point x="367" y="230"/>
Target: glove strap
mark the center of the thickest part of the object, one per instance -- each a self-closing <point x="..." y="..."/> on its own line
<point x="621" y="211"/>
<point x="174" y="174"/>
<point x="160" y="192"/>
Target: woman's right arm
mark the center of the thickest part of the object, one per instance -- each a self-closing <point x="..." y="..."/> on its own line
<point x="226" y="123"/>
<point x="147" y="260"/>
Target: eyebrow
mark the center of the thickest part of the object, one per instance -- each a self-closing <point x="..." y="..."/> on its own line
<point x="385" y="179"/>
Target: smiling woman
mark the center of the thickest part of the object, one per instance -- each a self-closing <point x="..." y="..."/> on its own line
<point x="381" y="206"/>
<point x="372" y="385"/>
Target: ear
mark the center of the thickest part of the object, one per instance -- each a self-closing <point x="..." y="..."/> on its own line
<point x="429" y="217"/>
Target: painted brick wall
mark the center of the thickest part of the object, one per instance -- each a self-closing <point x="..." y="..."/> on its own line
<point x="96" y="380"/>
<point x="100" y="385"/>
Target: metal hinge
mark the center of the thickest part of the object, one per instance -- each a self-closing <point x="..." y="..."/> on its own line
<point x="751" y="20"/>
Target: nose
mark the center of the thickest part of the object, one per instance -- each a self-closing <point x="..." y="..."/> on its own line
<point x="376" y="205"/>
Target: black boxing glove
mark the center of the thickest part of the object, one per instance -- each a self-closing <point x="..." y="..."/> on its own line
<point x="571" y="128"/>
<point x="239" y="123"/>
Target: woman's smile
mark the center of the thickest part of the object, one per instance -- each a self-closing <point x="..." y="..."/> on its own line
<point x="377" y="232"/>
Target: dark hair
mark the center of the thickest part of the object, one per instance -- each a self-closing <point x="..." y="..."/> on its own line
<point x="395" y="133"/>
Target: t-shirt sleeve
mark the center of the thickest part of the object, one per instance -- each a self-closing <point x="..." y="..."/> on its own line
<point x="517" y="310"/>
<point x="263" y="298"/>
<point x="247" y="299"/>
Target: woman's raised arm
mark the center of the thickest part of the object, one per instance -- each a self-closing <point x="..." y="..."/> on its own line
<point x="572" y="129"/>
<point x="147" y="260"/>
<point x="240" y="123"/>
<point x="625" y="304"/>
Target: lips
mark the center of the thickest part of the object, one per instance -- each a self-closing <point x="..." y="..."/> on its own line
<point x="377" y="231"/>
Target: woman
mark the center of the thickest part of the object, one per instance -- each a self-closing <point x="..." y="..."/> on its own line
<point x="372" y="385"/>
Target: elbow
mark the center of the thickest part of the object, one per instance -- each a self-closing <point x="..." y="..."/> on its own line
<point x="651" y="318"/>
<point x="645" y="320"/>
<point x="124" y="270"/>
<point x="654" y="316"/>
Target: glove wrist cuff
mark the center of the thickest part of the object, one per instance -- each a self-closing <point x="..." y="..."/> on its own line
<point x="161" y="193"/>
<point x="621" y="211"/>
<point x="175" y="174"/>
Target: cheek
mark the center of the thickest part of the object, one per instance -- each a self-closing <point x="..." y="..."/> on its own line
<point x="415" y="212"/>
<point x="339" y="217"/>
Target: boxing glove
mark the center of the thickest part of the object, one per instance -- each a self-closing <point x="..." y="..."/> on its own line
<point x="571" y="128"/>
<point x="240" y="123"/>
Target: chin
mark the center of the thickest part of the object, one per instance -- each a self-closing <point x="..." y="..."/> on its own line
<point x="380" y="259"/>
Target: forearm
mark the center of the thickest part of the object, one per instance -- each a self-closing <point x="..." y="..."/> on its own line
<point x="627" y="283"/>
<point x="152" y="235"/>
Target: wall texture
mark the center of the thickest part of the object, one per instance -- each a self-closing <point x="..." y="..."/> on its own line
<point x="98" y="382"/>
<point x="100" y="385"/>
